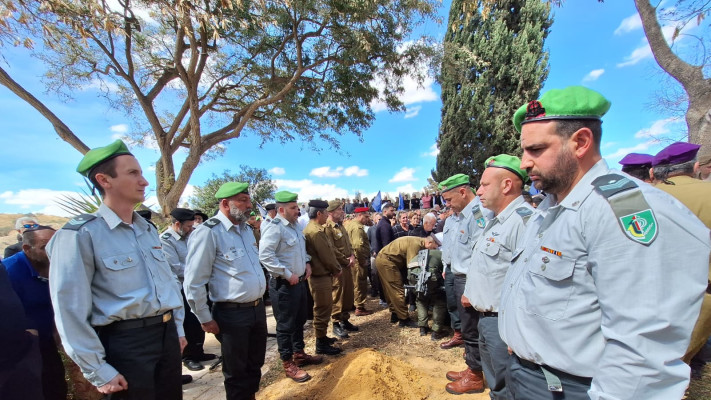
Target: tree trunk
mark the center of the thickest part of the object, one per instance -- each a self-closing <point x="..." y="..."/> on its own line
<point x="691" y="77"/>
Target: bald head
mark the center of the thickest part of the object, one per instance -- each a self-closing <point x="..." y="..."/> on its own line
<point x="499" y="187"/>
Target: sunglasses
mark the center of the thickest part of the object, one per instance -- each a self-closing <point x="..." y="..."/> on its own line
<point x="30" y="226"/>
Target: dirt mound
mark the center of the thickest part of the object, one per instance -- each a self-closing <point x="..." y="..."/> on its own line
<point x="364" y="374"/>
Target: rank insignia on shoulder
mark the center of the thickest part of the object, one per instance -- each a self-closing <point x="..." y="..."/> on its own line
<point x="166" y="235"/>
<point x="78" y="221"/>
<point x="624" y="196"/>
<point x="524" y="212"/>
<point x="211" y="223"/>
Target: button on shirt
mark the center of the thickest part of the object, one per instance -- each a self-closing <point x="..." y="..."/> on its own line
<point x="175" y="248"/>
<point x="466" y="227"/>
<point x="282" y="249"/>
<point x="224" y="257"/>
<point x="492" y="256"/>
<point x="583" y="298"/>
<point x="107" y="271"/>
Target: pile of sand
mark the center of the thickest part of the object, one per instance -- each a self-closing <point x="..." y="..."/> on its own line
<point x="364" y="374"/>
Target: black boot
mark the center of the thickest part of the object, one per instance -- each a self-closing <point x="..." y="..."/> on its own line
<point x="330" y="340"/>
<point x="323" y="347"/>
<point x="393" y="318"/>
<point x="423" y="330"/>
<point x="339" y="331"/>
<point x="407" y="323"/>
<point x="348" y="326"/>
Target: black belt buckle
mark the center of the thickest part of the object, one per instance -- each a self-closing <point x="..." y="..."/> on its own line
<point x="302" y="278"/>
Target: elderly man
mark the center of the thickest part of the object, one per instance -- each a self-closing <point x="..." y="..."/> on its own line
<point x="391" y="261"/>
<point x="21" y="224"/>
<point x="427" y="228"/>
<point x="324" y="268"/>
<point x="673" y="169"/>
<point x="116" y="302"/>
<point x="343" y="284"/>
<point x="361" y="250"/>
<point x="599" y="302"/>
<point x="29" y="272"/>
<point x="222" y="254"/>
<point x="175" y="247"/>
<point x="500" y="192"/>
<point x="283" y="254"/>
<point x="461" y="231"/>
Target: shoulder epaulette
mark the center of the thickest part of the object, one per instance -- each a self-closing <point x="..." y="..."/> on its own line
<point x="275" y="221"/>
<point x="212" y="222"/>
<point x="524" y="212"/>
<point x="165" y="235"/>
<point x="77" y="222"/>
<point x="631" y="209"/>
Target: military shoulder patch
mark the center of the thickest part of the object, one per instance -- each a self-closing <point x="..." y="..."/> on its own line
<point x="211" y="223"/>
<point x="77" y="222"/>
<point x="525" y="213"/>
<point x="633" y="213"/>
<point x="166" y="235"/>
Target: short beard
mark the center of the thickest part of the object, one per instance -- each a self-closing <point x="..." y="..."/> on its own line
<point x="560" y="178"/>
<point x="238" y="215"/>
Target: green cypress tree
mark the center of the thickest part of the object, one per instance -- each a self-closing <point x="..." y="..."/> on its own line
<point x="493" y="62"/>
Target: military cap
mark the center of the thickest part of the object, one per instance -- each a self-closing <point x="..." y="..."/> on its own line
<point x="146" y="214"/>
<point x="252" y="214"/>
<point x="183" y="214"/>
<point x="285" y="197"/>
<point x="318" y="204"/>
<point x="636" y="160"/>
<point x="507" y="162"/>
<point x="454" y="181"/>
<point x="359" y="210"/>
<point x="230" y="189"/>
<point x="99" y="155"/>
<point x="676" y="153"/>
<point x="573" y="102"/>
<point x="333" y="205"/>
<point x="201" y="214"/>
<point x="270" y="206"/>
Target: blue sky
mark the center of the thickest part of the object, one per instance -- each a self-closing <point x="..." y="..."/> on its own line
<point x="601" y="46"/>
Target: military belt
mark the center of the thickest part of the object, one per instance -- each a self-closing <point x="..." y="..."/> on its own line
<point x="230" y="304"/>
<point x="137" y="323"/>
<point x="554" y="378"/>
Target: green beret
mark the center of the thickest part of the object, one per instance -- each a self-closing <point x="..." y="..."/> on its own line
<point x="230" y="189"/>
<point x="573" y="102"/>
<point x="285" y="197"/>
<point x="100" y="154"/>
<point x="252" y="214"/>
<point x="454" y="181"/>
<point x="505" y="161"/>
<point x="333" y="205"/>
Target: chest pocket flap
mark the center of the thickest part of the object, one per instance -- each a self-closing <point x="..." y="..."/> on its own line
<point x="491" y="249"/>
<point x="552" y="267"/>
<point x="121" y="261"/>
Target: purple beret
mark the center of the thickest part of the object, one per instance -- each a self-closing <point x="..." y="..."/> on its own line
<point x="636" y="159"/>
<point x="676" y="153"/>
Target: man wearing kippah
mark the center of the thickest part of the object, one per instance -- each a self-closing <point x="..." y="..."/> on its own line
<point x="116" y="302"/>
<point x="283" y="254"/>
<point x="222" y="254"/>
<point x="343" y="284"/>
<point x="637" y="165"/>
<point x="324" y="268"/>
<point x="500" y="192"/>
<point x="175" y="247"/>
<point x="599" y="301"/>
<point x="673" y="169"/>
<point x="461" y="231"/>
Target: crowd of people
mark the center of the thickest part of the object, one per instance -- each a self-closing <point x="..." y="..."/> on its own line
<point x="595" y="288"/>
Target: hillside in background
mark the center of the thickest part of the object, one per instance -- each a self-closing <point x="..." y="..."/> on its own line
<point x="8" y="235"/>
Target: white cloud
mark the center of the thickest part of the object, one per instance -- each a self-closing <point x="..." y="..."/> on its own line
<point x="121" y="129"/>
<point x="327" y="172"/>
<point x="644" y="51"/>
<point x="412" y="111"/>
<point x="658" y="128"/>
<point x="102" y="84"/>
<point x="404" y="175"/>
<point x="187" y="194"/>
<point x="406" y="189"/>
<point x="434" y="151"/>
<point x="307" y="189"/>
<point x="593" y="75"/>
<point x="641" y="147"/>
<point x="277" y="171"/>
<point x="629" y="24"/>
<point x="37" y="200"/>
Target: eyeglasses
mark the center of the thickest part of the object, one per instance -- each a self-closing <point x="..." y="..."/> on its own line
<point x="30" y="226"/>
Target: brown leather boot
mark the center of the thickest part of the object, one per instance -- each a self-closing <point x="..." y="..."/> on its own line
<point x="471" y="382"/>
<point x="362" y="312"/>
<point x="455" y="341"/>
<point x="301" y="359"/>
<point x="294" y="372"/>
<point x="456" y="375"/>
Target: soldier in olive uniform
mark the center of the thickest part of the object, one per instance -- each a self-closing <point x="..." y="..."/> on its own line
<point x="343" y="284"/>
<point x="390" y="262"/>
<point x="361" y="250"/>
<point x="324" y="267"/>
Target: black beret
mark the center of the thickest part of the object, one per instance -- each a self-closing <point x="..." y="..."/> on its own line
<point x="318" y="204"/>
<point x="270" y="206"/>
<point x="183" y="214"/>
<point x="201" y="214"/>
<point x="146" y="214"/>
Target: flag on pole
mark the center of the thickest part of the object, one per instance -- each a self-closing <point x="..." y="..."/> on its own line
<point x="401" y="206"/>
<point x="262" y="210"/>
<point x="377" y="202"/>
